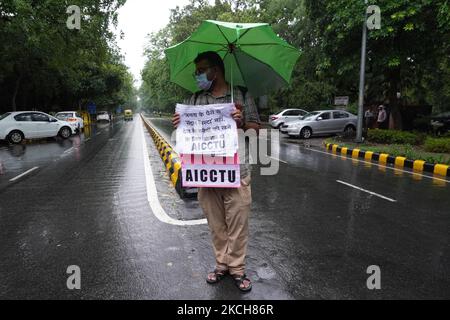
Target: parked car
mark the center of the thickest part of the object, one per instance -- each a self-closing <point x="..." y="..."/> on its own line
<point x="73" y="118"/>
<point x="103" y="116"/>
<point x="441" y="123"/>
<point x="17" y="126"/>
<point x="128" y="115"/>
<point x="285" y="116"/>
<point x="321" y="122"/>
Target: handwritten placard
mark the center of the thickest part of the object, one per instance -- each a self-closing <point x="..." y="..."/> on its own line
<point x="208" y="129"/>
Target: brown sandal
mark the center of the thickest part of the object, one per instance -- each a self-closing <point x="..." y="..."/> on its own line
<point x="239" y="280"/>
<point x="218" y="275"/>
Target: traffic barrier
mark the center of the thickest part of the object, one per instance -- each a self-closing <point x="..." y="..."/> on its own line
<point x="385" y="159"/>
<point x="170" y="158"/>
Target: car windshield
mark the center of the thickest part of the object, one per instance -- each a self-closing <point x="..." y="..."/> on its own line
<point x="102" y="112"/>
<point x="311" y="115"/>
<point x="63" y="116"/>
<point x="3" y="116"/>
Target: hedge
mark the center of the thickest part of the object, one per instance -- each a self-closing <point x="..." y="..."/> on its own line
<point x="438" y="145"/>
<point x="394" y="137"/>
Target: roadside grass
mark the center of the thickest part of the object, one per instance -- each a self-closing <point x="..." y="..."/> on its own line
<point x="397" y="150"/>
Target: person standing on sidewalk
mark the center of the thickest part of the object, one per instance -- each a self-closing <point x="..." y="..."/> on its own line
<point x="382" y="117"/>
<point x="227" y="210"/>
<point x="369" y="117"/>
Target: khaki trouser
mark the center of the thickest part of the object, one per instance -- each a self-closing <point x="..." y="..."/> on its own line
<point x="227" y="212"/>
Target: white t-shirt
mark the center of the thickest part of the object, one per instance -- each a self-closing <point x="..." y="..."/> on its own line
<point x="382" y="115"/>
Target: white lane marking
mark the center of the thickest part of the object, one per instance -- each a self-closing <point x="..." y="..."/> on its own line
<point x="276" y="159"/>
<point x="359" y="160"/>
<point x="152" y="193"/>
<point x="364" y="190"/>
<point x="23" y="174"/>
<point x="86" y="140"/>
<point x="378" y="165"/>
<point x="69" y="150"/>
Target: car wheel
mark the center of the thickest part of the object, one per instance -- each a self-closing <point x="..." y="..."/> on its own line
<point x="349" y="131"/>
<point x="306" y="133"/>
<point x="16" y="137"/>
<point x="279" y="126"/>
<point x="65" y="132"/>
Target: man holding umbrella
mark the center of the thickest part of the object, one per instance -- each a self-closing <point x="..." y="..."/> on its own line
<point x="220" y="59"/>
<point x="227" y="210"/>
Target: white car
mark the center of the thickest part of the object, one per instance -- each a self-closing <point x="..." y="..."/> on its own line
<point x="73" y="118"/>
<point x="285" y="116"/>
<point x="17" y="126"/>
<point x="103" y="116"/>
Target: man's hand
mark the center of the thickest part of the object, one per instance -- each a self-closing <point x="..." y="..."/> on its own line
<point x="237" y="115"/>
<point x="176" y="120"/>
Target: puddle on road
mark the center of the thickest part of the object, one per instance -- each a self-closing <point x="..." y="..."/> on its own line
<point x="265" y="272"/>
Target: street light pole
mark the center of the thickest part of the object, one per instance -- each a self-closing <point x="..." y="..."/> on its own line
<point x="362" y="76"/>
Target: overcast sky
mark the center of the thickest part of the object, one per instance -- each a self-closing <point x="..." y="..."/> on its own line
<point x="137" y="19"/>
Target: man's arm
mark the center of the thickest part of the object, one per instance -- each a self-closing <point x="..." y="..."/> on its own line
<point x="251" y="115"/>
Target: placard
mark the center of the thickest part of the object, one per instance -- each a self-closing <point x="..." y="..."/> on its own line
<point x="202" y="171"/>
<point x="208" y="130"/>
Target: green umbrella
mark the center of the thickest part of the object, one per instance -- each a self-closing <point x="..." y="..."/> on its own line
<point x="254" y="56"/>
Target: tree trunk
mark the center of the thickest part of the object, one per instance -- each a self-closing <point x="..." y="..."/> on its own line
<point x="395" y="117"/>
<point x="16" y="91"/>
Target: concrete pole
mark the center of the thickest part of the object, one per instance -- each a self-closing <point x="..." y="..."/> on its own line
<point x="362" y="76"/>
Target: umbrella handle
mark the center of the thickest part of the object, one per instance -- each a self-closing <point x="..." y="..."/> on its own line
<point x="231" y="80"/>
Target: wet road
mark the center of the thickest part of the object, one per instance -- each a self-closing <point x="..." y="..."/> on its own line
<point x="313" y="233"/>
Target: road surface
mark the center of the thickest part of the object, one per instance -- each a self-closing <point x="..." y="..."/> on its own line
<point x="315" y="227"/>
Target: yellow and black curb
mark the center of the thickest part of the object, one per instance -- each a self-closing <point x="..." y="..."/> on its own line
<point x="169" y="156"/>
<point x="385" y="159"/>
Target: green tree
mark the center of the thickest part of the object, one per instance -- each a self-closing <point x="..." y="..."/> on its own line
<point x="408" y="55"/>
<point x="45" y="65"/>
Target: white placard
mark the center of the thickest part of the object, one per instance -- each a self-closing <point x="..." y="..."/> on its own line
<point x="208" y="129"/>
<point x="211" y="176"/>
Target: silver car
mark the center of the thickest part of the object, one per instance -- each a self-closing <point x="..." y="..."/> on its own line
<point x="285" y="116"/>
<point x="321" y="122"/>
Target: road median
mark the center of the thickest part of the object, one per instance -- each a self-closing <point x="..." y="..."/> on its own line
<point x="170" y="158"/>
<point x="386" y="159"/>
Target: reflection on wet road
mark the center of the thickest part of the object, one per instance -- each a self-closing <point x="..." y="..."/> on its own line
<point x="324" y="219"/>
<point x="316" y="226"/>
<point x="18" y="159"/>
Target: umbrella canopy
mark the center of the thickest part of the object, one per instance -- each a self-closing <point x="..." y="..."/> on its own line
<point x="254" y="56"/>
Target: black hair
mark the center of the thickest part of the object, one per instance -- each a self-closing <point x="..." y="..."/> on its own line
<point x="213" y="58"/>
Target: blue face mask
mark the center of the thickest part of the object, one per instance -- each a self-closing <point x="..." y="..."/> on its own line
<point x="203" y="82"/>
